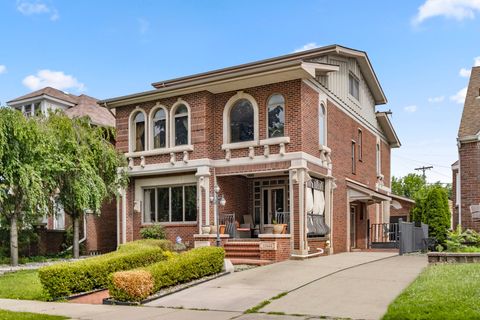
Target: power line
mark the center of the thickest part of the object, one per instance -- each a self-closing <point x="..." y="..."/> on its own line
<point x="422" y="162"/>
<point x="423" y="169"/>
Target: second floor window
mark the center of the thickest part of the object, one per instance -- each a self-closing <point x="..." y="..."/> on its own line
<point x="139" y="131"/>
<point x="181" y="125"/>
<point x="354" y="86"/>
<point x="322" y="134"/>
<point x="276" y="116"/>
<point x="354" y="162"/>
<point x="378" y="160"/>
<point x="242" y="121"/>
<point x="360" y="144"/>
<point x="160" y="129"/>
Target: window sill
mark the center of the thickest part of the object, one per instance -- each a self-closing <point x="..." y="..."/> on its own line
<point x="239" y="145"/>
<point x="276" y="140"/>
<point x="155" y="152"/>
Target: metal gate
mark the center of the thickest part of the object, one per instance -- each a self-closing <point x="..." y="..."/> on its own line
<point x="405" y="236"/>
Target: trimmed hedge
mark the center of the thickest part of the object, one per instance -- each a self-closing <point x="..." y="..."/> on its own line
<point x="165" y="245"/>
<point x="184" y="267"/>
<point x="64" y="279"/>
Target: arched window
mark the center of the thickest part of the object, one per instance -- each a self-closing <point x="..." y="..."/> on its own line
<point x="159" y="124"/>
<point x="138" y="132"/>
<point x="322" y="125"/>
<point x="180" y="125"/>
<point x="242" y="121"/>
<point x="276" y="116"/>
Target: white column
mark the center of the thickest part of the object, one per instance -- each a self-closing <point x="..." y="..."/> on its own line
<point x="203" y="183"/>
<point x="329" y="210"/>
<point x="124" y="216"/>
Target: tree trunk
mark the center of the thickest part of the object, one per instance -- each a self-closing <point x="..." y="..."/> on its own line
<point x="76" y="236"/>
<point x="13" y="241"/>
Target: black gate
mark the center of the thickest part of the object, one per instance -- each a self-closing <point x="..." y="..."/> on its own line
<point x="405" y="236"/>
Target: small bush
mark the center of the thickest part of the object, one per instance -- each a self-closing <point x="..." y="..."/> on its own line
<point x="155" y="231"/>
<point x="135" y="283"/>
<point x="165" y="245"/>
<point x="462" y="241"/>
<point x="64" y="279"/>
<point x="190" y="265"/>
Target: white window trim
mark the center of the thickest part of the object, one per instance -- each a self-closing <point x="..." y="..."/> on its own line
<point x="284" y="118"/>
<point x="131" y="137"/>
<point x="172" y="122"/>
<point x="151" y="128"/>
<point x="226" y="122"/>
<point x="325" y="122"/>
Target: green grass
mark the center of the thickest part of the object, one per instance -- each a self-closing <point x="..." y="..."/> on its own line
<point x="10" y="315"/>
<point x="22" y="285"/>
<point x="447" y="291"/>
<point x="258" y="307"/>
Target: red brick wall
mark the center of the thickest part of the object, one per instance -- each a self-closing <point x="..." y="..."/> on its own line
<point x="102" y="229"/>
<point x="454" y="199"/>
<point x="469" y="179"/>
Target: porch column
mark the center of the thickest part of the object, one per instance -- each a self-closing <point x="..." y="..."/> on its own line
<point x="203" y="195"/>
<point x="329" y="210"/>
<point x="298" y="172"/>
<point x="124" y="216"/>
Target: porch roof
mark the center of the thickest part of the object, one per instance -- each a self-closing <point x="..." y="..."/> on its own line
<point x="358" y="192"/>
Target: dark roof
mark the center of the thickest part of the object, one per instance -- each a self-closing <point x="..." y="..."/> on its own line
<point x="84" y="106"/>
<point x="470" y="123"/>
<point x="49" y="91"/>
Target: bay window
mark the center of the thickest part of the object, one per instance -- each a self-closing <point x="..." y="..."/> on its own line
<point x="170" y="204"/>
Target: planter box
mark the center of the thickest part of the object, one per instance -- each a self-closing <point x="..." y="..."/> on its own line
<point x="454" y="257"/>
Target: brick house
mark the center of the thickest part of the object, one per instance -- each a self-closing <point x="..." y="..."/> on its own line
<point x="466" y="171"/>
<point x="98" y="233"/>
<point x="295" y="137"/>
<point x="400" y="208"/>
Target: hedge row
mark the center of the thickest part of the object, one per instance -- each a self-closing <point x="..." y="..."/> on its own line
<point x="165" y="245"/>
<point x="136" y="285"/>
<point x="65" y="279"/>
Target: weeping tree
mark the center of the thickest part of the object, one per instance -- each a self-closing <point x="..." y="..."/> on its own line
<point x="87" y="174"/>
<point x="27" y="171"/>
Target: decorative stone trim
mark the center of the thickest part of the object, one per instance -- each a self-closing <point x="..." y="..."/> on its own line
<point x="156" y="152"/>
<point x="453" y="257"/>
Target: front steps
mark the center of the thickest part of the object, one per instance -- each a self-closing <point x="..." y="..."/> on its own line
<point x="245" y="251"/>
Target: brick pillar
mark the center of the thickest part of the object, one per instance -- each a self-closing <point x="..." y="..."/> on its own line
<point x="298" y="172"/>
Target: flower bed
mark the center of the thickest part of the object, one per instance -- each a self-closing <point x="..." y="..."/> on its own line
<point x="65" y="279"/>
<point x="136" y="285"/>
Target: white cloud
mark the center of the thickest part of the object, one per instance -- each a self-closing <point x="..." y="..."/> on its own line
<point x="55" y="79"/>
<point x="459" y="97"/>
<point x="29" y="8"/>
<point x="453" y="9"/>
<point x="144" y="25"/>
<point x="3" y="68"/>
<point x="436" y="99"/>
<point x="308" y="46"/>
<point x="465" y="73"/>
<point x="476" y="62"/>
<point x="410" y="109"/>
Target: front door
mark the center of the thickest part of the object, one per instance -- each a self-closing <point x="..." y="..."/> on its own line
<point x="353" y="225"/>
<point x="273" y="201"/>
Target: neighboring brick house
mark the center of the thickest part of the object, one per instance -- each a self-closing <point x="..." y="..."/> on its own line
<point x="98" y="233"/>
<point x="298" y="134"/>
<point x="466" y="171"/>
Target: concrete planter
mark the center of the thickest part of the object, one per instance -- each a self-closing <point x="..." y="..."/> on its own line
<point x="453" y="257"/>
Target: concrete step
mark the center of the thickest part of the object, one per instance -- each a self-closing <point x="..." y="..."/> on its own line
<point x="249" y="255"/>
<point x="242" y="243"/>
<point x="256" y="262"/>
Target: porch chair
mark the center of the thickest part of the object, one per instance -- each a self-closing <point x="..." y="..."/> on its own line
<point x="230" y="224"/>
<point x="283" y="218"/>
<point x="245" y="230"/>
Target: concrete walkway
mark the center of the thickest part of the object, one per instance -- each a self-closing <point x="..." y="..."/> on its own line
<point x="243" y="290"/>
<point x="362" y="292"/>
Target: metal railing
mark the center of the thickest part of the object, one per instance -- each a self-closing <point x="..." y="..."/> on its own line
<point x="384" y="234"/>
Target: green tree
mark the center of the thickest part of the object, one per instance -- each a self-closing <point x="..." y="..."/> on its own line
<point x="88" y="167"/>
<point x="26" y="176"/>
<point x="431" y="207"/>
<point x="408" y="186"/>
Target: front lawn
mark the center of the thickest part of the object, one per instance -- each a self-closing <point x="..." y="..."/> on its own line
<point x="10" y="315"/>
<point x="22" y="285"/>
<point x="447" y="291"/>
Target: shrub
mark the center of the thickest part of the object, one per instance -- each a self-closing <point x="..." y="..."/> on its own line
<point x="64" y="279"/>
<point x="184" y="267"/>
<point x="462" y="241"/>
<point x="165" y="245"/>
<point x="135" y="283"/>
<point x="155" y="231"/>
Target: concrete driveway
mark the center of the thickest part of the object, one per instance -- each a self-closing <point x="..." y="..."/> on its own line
<point x="243" y="290"/>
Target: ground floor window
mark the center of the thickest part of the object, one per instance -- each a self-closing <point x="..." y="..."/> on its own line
<point x="170" y="204"/>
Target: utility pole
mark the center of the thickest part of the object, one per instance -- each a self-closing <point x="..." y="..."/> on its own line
<point x="423" y="169"/>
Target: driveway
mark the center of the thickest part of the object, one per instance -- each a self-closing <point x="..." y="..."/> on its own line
<point x="243" y="290"/>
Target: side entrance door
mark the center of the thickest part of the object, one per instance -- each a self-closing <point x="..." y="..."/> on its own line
<point x="273" y="200"/>
<point x="353" y="227"/>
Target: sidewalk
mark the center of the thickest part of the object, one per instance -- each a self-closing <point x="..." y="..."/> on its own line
<point x="102" y="312"/>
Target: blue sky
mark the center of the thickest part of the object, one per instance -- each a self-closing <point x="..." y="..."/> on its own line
<point x="111" y="48"/>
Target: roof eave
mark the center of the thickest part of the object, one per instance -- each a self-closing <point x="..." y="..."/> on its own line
<point x="387" y="127"/>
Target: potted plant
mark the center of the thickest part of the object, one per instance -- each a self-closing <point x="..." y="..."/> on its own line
<point x="205" y="229"/>
<point x="278" y="228"/>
